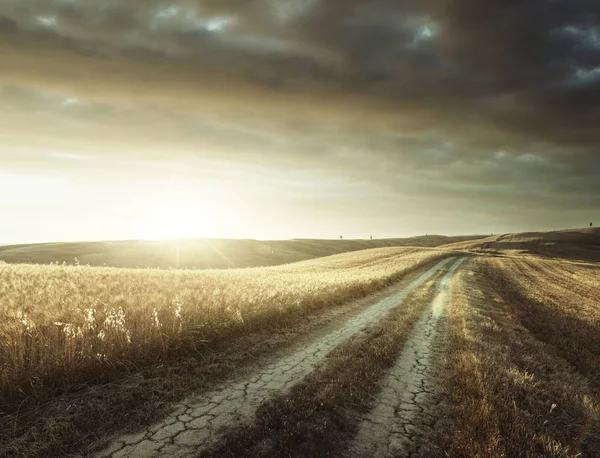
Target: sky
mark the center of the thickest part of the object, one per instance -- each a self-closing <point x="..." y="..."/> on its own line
<point x="277" y="119"/>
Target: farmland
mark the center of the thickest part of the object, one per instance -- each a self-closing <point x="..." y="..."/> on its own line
<point x="570" y="244"/>
<point x="524" y="367"/>
<point x="70" y="326"/>
<point x="485" y="347"/>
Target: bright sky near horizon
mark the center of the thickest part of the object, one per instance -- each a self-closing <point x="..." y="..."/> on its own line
<point x="277" y="119"/>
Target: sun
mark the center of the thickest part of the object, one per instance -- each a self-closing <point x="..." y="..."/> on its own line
<point x="177" y="222"/>
<point x="189" y="210"/>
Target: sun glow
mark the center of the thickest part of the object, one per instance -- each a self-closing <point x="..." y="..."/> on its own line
<point x="179" y="222"/>
<point x="204" y="211"/>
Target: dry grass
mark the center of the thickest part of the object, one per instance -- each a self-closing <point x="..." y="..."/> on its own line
<point x="566" y="296"/>
<point x="517" y="381"/>
<point x="65" y="326"/>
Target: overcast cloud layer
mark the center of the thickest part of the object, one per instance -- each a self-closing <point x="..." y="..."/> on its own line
<point x="370" y="117"/>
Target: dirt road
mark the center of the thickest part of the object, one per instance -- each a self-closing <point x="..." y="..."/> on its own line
<point x="402" y="414"/>
<point x="195" y="423"/>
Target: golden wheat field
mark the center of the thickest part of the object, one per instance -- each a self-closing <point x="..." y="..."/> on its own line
<point x="68" y="324"/>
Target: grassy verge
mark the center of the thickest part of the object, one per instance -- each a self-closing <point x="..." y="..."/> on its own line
<point x="321" y="414"/>
<point x="85" y="413"/>
<point x="511" y="393"/>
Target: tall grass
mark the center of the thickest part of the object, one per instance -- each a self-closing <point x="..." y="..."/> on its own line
<point x="65" y="325"/>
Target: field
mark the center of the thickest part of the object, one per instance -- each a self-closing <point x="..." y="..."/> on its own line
<point x="572" y="244"/>
<point x="524" y="343"/>
<point x="486" y="348"/>
<point x="64" y="327"/>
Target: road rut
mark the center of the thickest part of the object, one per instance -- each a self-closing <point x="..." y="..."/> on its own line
<point x="395" y="427"/>
<point x="195" y="423"/>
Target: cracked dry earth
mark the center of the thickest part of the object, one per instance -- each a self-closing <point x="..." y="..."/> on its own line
<point x="403" y="416"/>
<point x="195" y="423"/>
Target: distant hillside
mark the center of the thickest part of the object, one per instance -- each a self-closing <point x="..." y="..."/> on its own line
<point x="202" y="253"/>
<point x="574" y="244"/>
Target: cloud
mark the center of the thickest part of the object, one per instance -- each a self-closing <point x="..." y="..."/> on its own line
<point x="415" y="97"/>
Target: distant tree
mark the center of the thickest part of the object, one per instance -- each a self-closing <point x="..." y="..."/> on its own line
<point x="371" y="237"/>
<point x="340" y="237"/>
<point x="591" y="225"/>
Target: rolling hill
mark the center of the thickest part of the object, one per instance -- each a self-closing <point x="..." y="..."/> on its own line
<point x="573" y="244"/>
<point x="202" y="253"/>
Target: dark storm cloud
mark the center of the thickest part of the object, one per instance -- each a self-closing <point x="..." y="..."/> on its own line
<point x="450" y="94"/>
<point x="7" y="26"/>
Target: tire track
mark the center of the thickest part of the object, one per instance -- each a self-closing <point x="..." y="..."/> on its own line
<point x="195" y="423"/>
<point x="402" y="417"/>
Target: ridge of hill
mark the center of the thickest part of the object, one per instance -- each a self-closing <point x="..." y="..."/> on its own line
<point x="574" y="244"/>
<point x="203" y="253"/>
